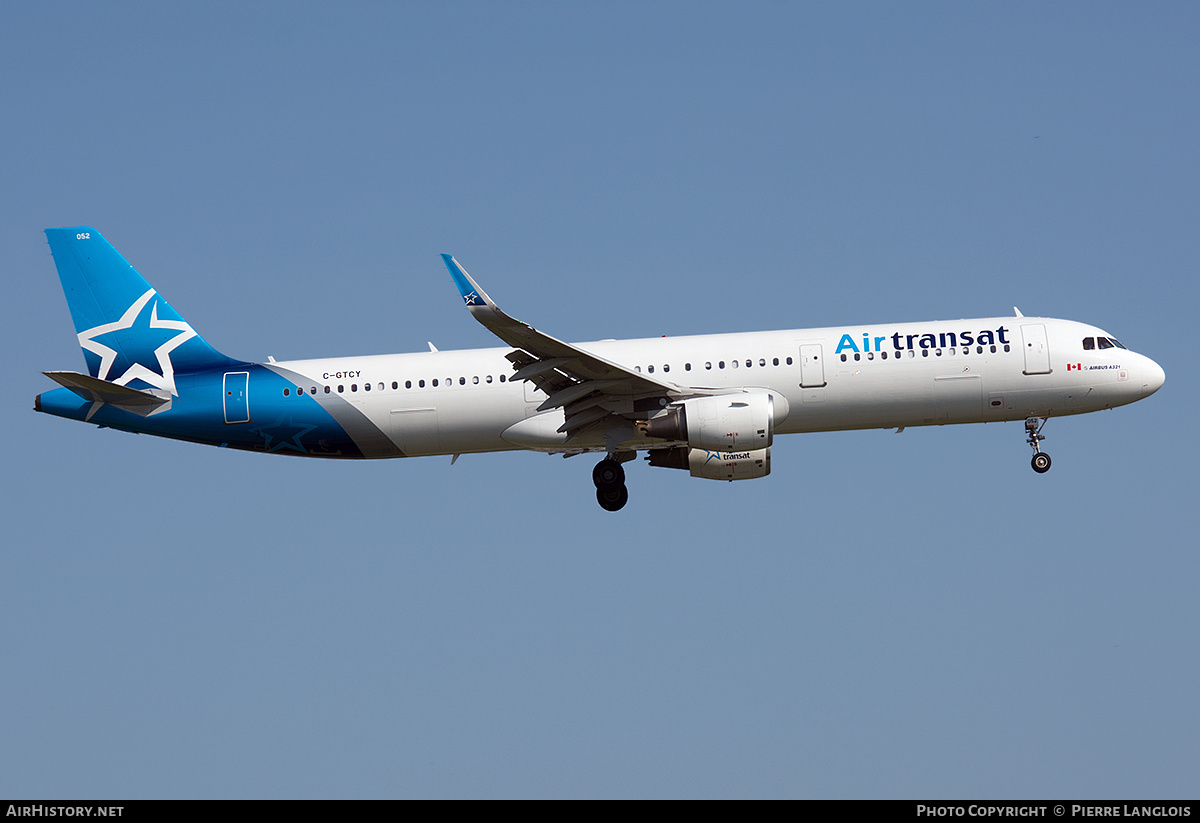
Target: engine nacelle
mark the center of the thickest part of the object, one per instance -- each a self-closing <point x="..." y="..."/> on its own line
<point x="714" y="465"/>
<point x="724" y="422"/>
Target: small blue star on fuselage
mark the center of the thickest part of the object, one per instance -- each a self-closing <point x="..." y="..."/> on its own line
<point x="284" y="434"/>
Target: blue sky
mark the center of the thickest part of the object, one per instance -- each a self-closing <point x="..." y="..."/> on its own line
<point x="913" y="615"/>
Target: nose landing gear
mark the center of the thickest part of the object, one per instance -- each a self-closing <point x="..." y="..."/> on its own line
<point x="609" y="478"/>
<point x="1033" y="428"/>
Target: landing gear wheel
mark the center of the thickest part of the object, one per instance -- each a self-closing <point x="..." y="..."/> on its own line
<point x="608" y="475"/>
<point x="1034" y="437"/>
<point x="612" y="500"/>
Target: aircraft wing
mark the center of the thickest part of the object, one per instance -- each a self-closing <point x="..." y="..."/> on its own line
<point x="588" y="387"/>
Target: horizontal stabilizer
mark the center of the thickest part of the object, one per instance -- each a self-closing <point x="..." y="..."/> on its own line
<point x="95" y="390"/>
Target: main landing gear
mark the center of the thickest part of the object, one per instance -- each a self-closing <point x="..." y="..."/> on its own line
<point x="1033" y="428"/>
<point x="609" y="478"/>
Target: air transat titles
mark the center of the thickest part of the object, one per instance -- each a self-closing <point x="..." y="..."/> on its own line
<point x="906" y="342"/>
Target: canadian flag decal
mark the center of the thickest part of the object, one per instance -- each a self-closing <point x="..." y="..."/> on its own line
<point x="1075" y="366"/>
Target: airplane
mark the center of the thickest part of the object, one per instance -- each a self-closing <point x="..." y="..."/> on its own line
<point x="710" y="405"/>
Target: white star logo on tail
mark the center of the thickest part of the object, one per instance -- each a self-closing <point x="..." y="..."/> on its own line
<point x="165" y="380"/>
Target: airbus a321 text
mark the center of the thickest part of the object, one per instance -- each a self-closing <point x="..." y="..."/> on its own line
<point x="710" y="405"/>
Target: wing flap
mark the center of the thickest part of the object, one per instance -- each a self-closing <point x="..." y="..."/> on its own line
<point x="583" y="419"/>
<point x="576" y="391"/>
<point x="540" y="367"/>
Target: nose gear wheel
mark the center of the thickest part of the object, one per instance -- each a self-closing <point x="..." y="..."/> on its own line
<point x="1034" y="437"/>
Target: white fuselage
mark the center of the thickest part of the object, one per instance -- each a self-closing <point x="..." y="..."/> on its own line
<point x="883" y="376"/>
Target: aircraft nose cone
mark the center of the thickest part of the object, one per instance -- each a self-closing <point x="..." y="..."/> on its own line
<point x="1153" y="379"/>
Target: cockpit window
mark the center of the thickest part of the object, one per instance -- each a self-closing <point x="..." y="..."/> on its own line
<point x="1117" y="343"/>
<point x="1089" y="343"/>
<point x="1104" y="342"/>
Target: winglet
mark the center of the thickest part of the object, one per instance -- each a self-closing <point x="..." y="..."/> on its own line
<point x="472" y="295"/>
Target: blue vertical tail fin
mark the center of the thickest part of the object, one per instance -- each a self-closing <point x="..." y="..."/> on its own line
<point x="130" y="335"/>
